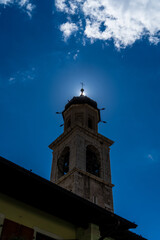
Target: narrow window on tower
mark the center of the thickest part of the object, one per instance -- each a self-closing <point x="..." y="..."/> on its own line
<point x="92" y="161"/>
<point x="90" y="123"/>
<point x="79" y="118"/>
<point x="63" y="162"/>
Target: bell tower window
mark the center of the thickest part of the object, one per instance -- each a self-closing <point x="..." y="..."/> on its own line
<point x="92" y="161"/>
<point x="63" y="162"/>
<point x="90" y="123"/>
<point x="79" y="117"/>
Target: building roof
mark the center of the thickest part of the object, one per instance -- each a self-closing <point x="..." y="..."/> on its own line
<point x="25" y="186"/>
<point x="82" y="100"/>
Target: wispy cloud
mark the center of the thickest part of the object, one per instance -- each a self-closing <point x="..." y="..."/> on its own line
<point x="74" y="54"/>
<point x="153" y="156"/>
<point x="150" y="157"/>
<point x="26" y="5"/>
<point x="5" y="2"/>
<point x="123" y="21"/>
<point x="23" y="76"/>
<point x="11" y="80"/>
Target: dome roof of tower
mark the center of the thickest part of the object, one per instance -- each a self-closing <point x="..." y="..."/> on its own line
<point x="82" y="100"/>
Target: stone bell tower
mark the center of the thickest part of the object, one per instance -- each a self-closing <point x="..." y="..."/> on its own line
<point x="81" y="156"/>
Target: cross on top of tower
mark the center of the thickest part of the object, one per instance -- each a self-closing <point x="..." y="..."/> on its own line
<point x="82" y="89"/>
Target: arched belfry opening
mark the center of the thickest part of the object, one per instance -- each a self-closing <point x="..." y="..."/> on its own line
<point x="92" y="160"/>
<point x="63" y="162"/>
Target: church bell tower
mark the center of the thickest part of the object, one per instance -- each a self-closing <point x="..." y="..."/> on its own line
<point x="81" y="156"/>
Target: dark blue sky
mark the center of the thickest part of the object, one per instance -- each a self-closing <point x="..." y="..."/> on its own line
<point x="41" y="69"/>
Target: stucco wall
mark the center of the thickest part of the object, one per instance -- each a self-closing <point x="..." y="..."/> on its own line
<point x="32" y="217"/>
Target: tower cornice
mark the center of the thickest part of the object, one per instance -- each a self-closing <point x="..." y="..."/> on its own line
<point x="86" y="174"/>
<point x="87" y="131"/>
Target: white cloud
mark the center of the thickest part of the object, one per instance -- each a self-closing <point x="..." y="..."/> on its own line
<point x="23" y="4"/>
<point x="154" y="40"/>
<point x="66" y="6"/>
<point x="29" y="7"/>
<point x="124" y="21"/>
<point x="61" y="5"/>
<point x="68" y="29"/>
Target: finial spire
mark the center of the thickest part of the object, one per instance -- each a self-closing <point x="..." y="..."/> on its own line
<point x="82" y="89"/>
